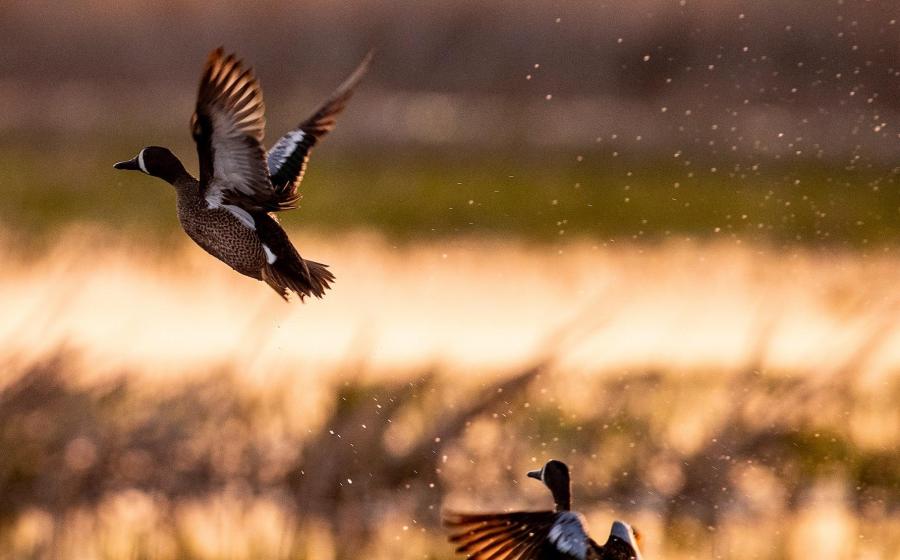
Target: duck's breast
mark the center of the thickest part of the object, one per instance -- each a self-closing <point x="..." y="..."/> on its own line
<point x="229" y="235"/>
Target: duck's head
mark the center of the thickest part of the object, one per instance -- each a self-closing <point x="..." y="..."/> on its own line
<point x="555" y="475"/>
<point x="157" y="162"/>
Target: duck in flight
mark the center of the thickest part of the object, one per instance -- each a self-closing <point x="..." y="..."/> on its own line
<point x="229" y="211"/>
<point x="539" y="535"/>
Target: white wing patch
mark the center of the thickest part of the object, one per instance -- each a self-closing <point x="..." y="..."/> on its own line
<point x="283" y="149"/>
<point x="270" y="256"/>
<point x="214" y="198"/>
<point x="568" y="536"/>
<point x="242" y="215"/>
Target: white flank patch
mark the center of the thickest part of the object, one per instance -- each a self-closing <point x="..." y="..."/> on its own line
<point x="242" y="215"/>
<point x="270" y="256"/>
<point x="141" y="162"/>
<point x="568" y="536"/>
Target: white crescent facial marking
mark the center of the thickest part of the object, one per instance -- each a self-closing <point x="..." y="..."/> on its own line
<point x="270" y="256"/>
<point x="242" y="215"/>
<point x="568" y="536"/>
<point x="141" y="162"/>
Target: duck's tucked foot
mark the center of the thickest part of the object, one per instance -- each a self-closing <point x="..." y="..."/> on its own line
<point x="305" y="278"/>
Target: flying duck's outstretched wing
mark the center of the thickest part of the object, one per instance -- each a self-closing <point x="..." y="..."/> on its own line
<point x="228" y="127"/>
<point x="287" y="158"/>
<point x="519" y="535"/>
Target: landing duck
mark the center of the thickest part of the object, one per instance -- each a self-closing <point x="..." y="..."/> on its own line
<point x="539" y="535"/>
<point x="230" y="210"/>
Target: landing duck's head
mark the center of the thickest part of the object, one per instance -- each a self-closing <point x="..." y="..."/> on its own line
<point x="155" y="161"/>
<point x="555" y="475"/>
<point x="552" y="473"/>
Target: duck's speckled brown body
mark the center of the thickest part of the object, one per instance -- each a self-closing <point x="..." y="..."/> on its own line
<point x="219" y="232"/>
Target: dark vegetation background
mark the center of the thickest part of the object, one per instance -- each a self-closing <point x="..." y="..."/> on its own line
<point x="499" y="118"/>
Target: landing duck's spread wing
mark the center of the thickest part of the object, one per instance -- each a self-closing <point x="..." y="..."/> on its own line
<point x="287" y="158"/>
<point x="517" y="535"/>
<point x="228" y="127"/>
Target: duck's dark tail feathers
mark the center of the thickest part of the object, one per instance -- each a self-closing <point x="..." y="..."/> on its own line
<point x="305" y="278"/>
<point x="320" y="277"/>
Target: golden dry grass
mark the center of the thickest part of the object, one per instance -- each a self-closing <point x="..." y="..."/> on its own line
<point x="664" y="361"/>
<point x="466" y="305"/>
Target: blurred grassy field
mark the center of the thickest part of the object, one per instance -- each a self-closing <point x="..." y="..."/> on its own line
<point x="655" y="239"/>
<point x="713" y="347"/>
<point x="546" y="196"/>
<point x="731" y="401"/>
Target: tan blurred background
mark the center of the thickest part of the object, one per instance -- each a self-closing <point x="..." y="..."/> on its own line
<point x="655" y="239"/>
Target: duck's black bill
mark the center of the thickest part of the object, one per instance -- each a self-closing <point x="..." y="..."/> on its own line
<point x="534" y="474"/>
<point x="131" y="165"/>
